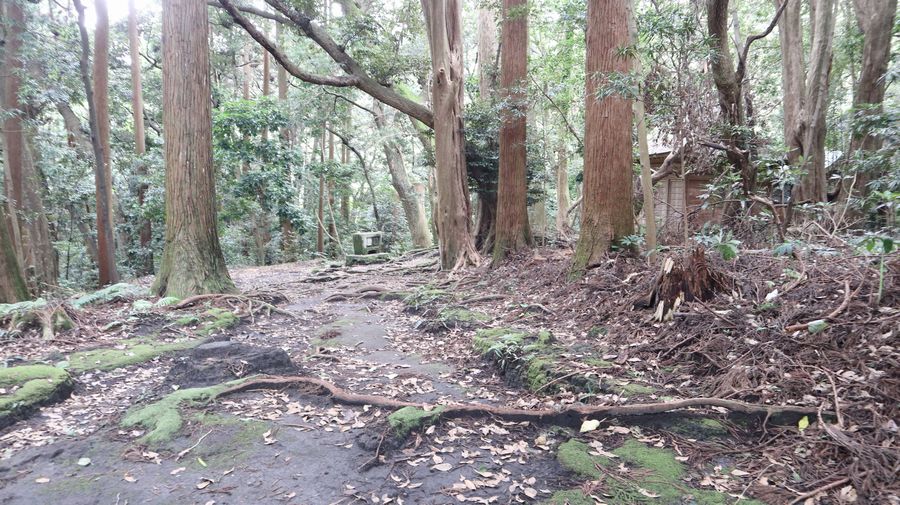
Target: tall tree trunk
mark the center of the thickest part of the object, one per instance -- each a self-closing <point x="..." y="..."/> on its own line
<point x="443" y="21"/>
<point x="12" y="283"/>
<point x="562" y="187"/>
<point x="487" y="51"/>
<point x="793" y="82"/>
<point x="105" y="241"/>
<point x="409" y="199"/>
<point x="288" y="235"/>
<point x="813" y="185"/>
<point x="320" y="212"/>
<point x="513" y="232"/>
<point x="145" y="263"/>
<point x="192" y="261"/>
<point x="607" y="210"/>
<point x="643" y="148"/>
<point x="875" y="19"/>
<point x="101" y="97"/>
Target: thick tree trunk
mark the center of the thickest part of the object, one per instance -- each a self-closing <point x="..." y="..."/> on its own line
<point x="415" y="218"/>
<point x="607" y="210"/>
<point x="876" y="20"/>
<point x="288" y="235"/>
<point x="813" y="185"/>
<point x="145" y="262"/>
<point x="192" y="261"/>
<point x="26" y="225"/>
<point x="444" y="25"/>
<point x="512" y="232"/>
<point x="12" y="284"/>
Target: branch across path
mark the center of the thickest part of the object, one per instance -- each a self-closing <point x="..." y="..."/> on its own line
<point x="569" y="416"/>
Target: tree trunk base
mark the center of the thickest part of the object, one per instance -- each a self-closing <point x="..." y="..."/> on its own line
<point x="683" y="279"/>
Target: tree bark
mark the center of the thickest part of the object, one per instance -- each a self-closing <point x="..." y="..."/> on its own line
<point x="512" y="232"/>
<point x="607" y="210"/>
<point x="813" y="186"/>
<point x="487" y="51"/>
<point x="643" y="148"/>
<point x="145" y="262"/>
<point x="101" y="97"/>
<point x="562" y="188"/>
<point x="105" y="241"/>
<point x="192" y="261"/>
<point x="409" y="199"/>
<point x="12" y="283"/>
<point x="444" y="26"/>
<point x="876" y="20"/>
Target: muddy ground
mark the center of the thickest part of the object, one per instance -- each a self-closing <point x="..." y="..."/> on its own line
<point x="406" y="332"/>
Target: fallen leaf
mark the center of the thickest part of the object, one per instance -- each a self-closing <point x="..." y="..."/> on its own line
<point x="443" y="467"/>
<point x="178" y="470"/>
<point x="84" y="461"/>
<point x="589" y="425"/>
<point x="42" y="480"/>
<point x="531" y="492"/>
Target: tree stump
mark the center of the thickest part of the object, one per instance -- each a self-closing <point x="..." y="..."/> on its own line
<point x="680" y="280"/>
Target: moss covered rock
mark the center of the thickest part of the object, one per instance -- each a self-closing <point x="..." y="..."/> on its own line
<point x="408" y="419"/>
<point x="23" y="388"/>
<point x="129" y="352"/>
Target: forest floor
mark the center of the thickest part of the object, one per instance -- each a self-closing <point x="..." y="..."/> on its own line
<point x="158" y="412"/>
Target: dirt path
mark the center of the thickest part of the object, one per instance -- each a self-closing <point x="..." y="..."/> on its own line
<point x="293" y="447"/>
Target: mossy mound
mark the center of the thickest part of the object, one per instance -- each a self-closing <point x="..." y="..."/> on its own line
<point x="129" y="352"/>
<point x="36" y="313"/>
<point x="20" y="309"/>
<point x="453" y="317"/>
<point x="24" y="388"/>
<point x="526" y="358"/>
<point x="366" y="259"/>
<point x="658" y="476"/>
<point x="425" y="297"/>
<point x="116" y="292"/>
<point x="163" y="418"/>
<point x="215" y="320"/>
<point x="409" y="419"/>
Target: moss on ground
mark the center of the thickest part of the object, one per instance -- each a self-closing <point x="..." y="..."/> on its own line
<point x="635" y="389"/>
<point x="163" y="419"/>
<point x="570" y="497"/>
<point x="408" y="419"/>
<point x="424" y="296"/>
<point x="459" y="316"/>
<point x="529" y="358"/>
<point x="132" y="351"/>
<point x="29" y="386"/>
<point x="215" y="320"/>
<point x="232" y="442"/>
<point x="21" y="309"/>
<point x="498" y="341"/>
<point x="660" y="475"/>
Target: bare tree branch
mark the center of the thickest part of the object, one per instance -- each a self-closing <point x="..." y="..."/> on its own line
<point x="742" y="58"/>
<point x="258" y="36"/>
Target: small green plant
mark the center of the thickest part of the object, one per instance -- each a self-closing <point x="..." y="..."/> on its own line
<point x="721" y="241"/>
<point x="882" y="245"/>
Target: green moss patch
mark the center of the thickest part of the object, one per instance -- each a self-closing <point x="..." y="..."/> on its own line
<point x="424" y="297"/>
<point x="526" y="358"/>
<point x="163" y="418"/>
<point x="570" y="497"/>
<point x="657" y="475"/>
<point x="215" y="320"/>
<point x="27" y="387"/>
<point x="130" y="352"/>
<point x="408" y="419"/>
<point x="232" y="440"/>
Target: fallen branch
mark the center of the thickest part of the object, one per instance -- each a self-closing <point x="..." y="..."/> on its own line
<point x="833" y="315"/>
<point x="570" y="416"/>
<point x="191" y="448"/>
<point x="480" y="299"/>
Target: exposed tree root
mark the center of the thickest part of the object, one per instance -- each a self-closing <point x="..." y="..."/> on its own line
<point x="833" y="315"/>
<point x="363" y="292"/>
<point x="570" y="416"/>
<point x="254" y="302"/>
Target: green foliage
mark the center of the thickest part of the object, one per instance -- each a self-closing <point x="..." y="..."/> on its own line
<point x="113" y="293"/>
<point x="720" y="240"/>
